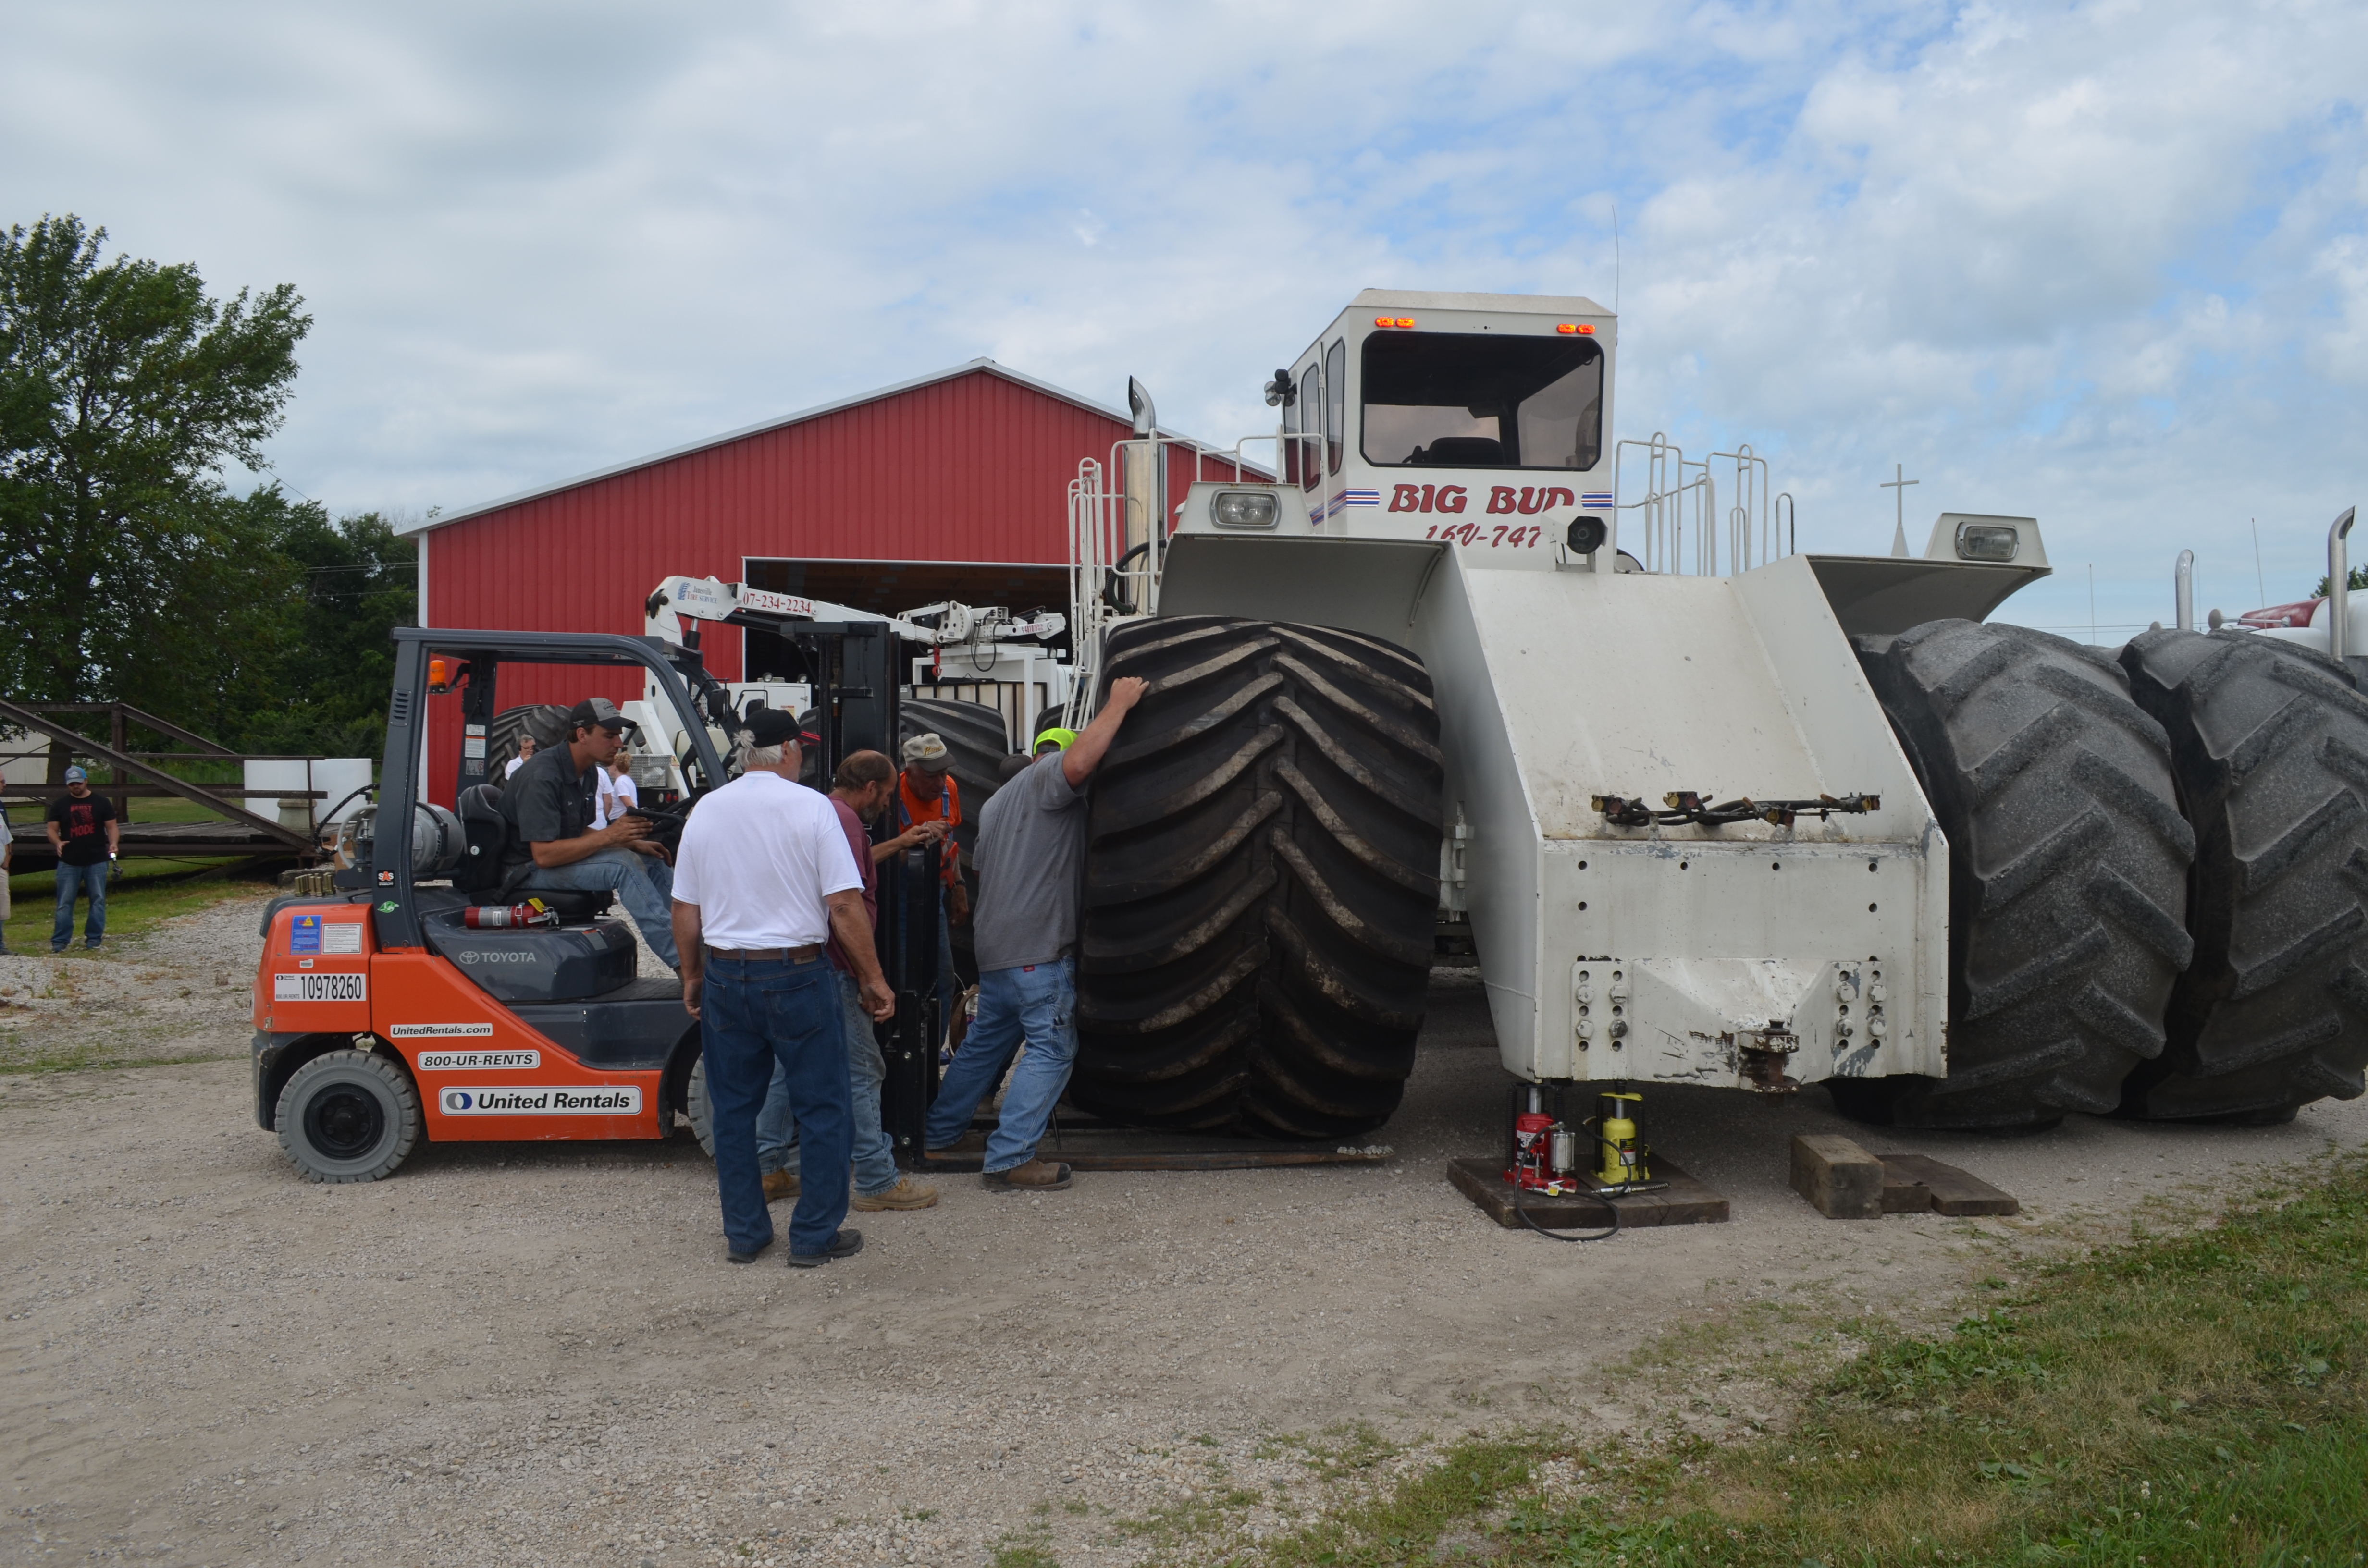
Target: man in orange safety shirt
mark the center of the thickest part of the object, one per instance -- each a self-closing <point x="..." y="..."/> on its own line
<point x="928" y="796"/>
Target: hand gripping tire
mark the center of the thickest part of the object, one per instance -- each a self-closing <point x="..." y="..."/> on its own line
<point x="2068" y="866"/>
<point x="2271" y="746"/>
<point x="1260" y="881"/>
<point x="974" y="733"/>
<point x="348" y="1116"/>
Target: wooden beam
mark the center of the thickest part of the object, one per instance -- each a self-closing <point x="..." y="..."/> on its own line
<point x="15" y="714"/>
<point x="1840" y="1180"/>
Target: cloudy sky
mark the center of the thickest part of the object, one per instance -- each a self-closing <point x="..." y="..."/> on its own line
<point x="2105" y="263"/>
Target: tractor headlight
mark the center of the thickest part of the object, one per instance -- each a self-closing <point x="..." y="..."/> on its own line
<point x="1244" y="509"/>
<point x="1985" y="542"/>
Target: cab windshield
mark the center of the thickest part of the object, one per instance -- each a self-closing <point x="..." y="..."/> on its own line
<point x="1477" y="400"/>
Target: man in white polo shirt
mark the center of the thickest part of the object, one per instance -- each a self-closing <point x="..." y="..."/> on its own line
<point x="764" y="876"/>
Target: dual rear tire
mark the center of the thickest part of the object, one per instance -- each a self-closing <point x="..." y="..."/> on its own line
<point x="2158" y="875"/>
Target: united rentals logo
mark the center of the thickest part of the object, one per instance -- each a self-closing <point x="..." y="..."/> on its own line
<point x="439" y="1031"/>
<point x="619" y="1101"/>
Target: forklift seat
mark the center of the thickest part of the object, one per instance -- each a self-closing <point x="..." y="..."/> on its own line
<point x="488" y="833"/>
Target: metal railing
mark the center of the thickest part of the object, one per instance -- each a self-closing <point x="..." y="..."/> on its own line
<point x="1679" y="516"/>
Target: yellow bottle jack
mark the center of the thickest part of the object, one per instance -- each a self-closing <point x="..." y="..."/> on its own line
<point x="1617" y="1139"/>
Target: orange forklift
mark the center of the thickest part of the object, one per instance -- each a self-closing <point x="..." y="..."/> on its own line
<point x="399" y="1008"/>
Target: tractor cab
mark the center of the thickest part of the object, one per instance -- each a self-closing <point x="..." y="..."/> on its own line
<point x="1476" y="419"/>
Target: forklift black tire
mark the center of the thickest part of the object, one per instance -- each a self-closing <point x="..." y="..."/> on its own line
<point x="2270" y="742"/>
<point x="349" y="1116"/>
<point x="1260" y="881"/>
<point x="2068" y="873"/>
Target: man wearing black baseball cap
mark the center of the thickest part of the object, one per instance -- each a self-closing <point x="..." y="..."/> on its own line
<point x="554" y="848"/>
<point x="767" y="876"/>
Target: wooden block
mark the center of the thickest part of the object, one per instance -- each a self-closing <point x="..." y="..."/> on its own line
<point x="1953" y="1192"/>
<point x="1684" y="1201"/>
<point x="1902" y="1193"/>
<point x="1840" y="1180"/>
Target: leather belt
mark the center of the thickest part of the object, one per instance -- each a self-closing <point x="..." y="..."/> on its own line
<point x="806" y="954"/>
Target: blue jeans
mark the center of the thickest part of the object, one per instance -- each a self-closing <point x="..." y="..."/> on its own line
<point x="1038" y="1004"/>
<point x="756" y="1017"/>
<point x="875" y="1158"/>
<point x="644" y="883"/>
<point x="71" y="879"/>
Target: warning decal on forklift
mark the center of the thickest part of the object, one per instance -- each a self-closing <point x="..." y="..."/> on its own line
<point x="623" y="1100"/>
<point x="320" y="988"/>
<point x="475" y="1061"/>
<point x="342" y="936"/>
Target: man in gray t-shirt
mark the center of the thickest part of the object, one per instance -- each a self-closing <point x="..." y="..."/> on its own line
<point x="1032" y="841"/>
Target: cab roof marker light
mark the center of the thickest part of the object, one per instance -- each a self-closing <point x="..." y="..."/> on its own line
<point x="1394" y="321"/>
<point x="1579" y="328"/>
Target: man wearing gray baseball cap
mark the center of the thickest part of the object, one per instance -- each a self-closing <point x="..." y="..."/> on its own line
<point x="553" y="846"/>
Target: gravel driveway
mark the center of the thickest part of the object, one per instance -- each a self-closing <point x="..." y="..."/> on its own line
<point x="535" y="1353"/>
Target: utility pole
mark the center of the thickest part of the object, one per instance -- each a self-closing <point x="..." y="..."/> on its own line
<point x="1898" y="484"/>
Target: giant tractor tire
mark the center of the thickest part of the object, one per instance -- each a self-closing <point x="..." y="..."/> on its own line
<point x="974" y="734"/>
<point x="1260" y="883"/>
<point x="546" y="722"/>
<point x="2068" y="873"/>
<point x="2271" y="746"/>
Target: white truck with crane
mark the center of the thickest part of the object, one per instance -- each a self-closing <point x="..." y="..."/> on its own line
<point x="1762" y="821"/>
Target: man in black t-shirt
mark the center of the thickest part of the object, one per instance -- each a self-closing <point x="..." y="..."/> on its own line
<point x="552" y="846"/>
<point x="82" y="831"/>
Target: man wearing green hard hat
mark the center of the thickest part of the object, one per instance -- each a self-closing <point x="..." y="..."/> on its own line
<point x="1032" y="839"/>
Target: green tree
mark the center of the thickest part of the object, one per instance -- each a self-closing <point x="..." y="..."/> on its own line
<point x="350" y="582"/>
<point x="2356" y="578"/>
<point x="127" y="568"/>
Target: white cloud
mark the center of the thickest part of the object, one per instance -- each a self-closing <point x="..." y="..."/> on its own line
<point x="2100" y="263"/>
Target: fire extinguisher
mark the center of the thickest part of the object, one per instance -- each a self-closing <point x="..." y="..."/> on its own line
<point x="498" y="916"/>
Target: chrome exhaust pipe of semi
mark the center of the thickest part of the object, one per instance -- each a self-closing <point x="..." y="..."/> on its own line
<point x="2338" y="585"/>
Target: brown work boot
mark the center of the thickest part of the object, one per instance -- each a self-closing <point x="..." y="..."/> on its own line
<point x="906" y="1194"/>
<point x="1036" y="1176"/>
<point x="779" y="1185"/>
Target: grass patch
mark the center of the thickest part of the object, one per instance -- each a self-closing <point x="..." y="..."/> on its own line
<point x="2186" y="1398"/>
<point x="138" y="900"/>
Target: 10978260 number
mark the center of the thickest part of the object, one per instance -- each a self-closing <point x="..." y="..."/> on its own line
<point x="1509" y="536"/>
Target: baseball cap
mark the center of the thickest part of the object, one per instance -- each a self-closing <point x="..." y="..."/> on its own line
<point x="773" y="727"/>
<point x="596" y="711"/>
<point x="928" y="751"/>
<point x="76" y="776"/>
<point x="1057" y="735"/>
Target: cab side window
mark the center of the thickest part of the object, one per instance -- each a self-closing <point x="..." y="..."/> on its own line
<point x="1311" y="398"/>
<point x="1336" y="403"/>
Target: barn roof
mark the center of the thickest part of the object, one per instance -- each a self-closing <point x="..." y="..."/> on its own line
<point x="979" y="366"/>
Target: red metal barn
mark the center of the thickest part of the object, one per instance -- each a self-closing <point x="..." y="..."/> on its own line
<point x="951" y="486"/>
